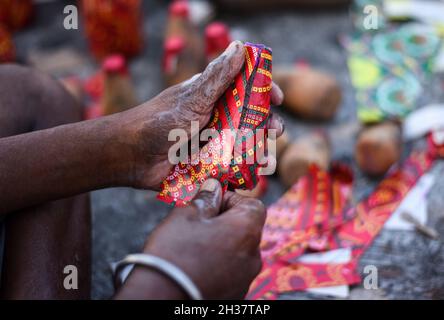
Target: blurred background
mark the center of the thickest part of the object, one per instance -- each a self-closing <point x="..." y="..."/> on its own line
<point x="351" y="70"/>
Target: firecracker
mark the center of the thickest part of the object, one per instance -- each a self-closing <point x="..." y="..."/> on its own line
<point x="217" y="38"/>
<point x="118" y="91"/>
<point x="183" y="47"/>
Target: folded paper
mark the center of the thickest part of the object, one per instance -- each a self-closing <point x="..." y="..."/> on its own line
<point x="283" y="271"/>
<point x="232" y="154"/>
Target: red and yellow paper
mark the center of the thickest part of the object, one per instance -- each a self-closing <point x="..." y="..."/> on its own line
<point x="325" y="229"/>
<point x="243" y="109"/>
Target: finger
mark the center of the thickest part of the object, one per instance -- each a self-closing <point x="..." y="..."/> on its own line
<point x="230" y="200"/>
<point x="275" y="122"/>
<point x="251" y="212"/>
<point x="248" y="216"/>
<point x="208" y="201"/>
<point x="277" y="96"/>
<point x="219" y="74"/>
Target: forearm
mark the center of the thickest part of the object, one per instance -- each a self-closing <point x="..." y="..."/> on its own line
<point x="63" y="161"/>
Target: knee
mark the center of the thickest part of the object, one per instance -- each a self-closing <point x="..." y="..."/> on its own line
<point x="38" y="93"/>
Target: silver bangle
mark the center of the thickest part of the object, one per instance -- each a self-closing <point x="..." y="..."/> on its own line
<point x="161" y="265"/>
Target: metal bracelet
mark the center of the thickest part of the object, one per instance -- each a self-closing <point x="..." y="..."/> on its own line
<point x="163" y="266"/>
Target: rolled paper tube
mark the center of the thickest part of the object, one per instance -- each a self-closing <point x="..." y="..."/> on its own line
<point x="179" y="8"/>
<point x="122" y="17"/>
<point x="178" y="23"/>
<point x="172" y="49"/>
<point x="7" y="47"/>
<point x="217" y="38"/>
<point x="309" y="93"/>
<point x="313" y="148"/>
<point x="378" y="147"/>
<point x="230" y="156"/>
<point x="179" y="63"/>
<point x="118" y="94"/>
<point x="186" y="57"/>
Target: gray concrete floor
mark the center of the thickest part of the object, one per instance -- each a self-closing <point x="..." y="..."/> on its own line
<point x="410" y="265"/>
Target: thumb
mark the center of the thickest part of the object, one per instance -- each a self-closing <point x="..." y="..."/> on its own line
<point x="209" y="199"/>
<point x="220" y="73"/>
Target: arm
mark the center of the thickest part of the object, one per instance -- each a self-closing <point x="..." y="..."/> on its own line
<point x="125" y="149"/>
<point x="62" y="161"/>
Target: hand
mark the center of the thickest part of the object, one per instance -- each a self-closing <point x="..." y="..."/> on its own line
<point x="215" y="241"/>
<point x="150" y="123"/>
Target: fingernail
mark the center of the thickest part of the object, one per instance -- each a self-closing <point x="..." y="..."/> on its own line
<point x="210" y="185"/>
<point x="276" y="122"/>
<point x="233" y="47"/>
<point x="278" y="94"/>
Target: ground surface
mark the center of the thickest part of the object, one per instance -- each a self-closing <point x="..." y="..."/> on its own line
<point x="410" y="266"/>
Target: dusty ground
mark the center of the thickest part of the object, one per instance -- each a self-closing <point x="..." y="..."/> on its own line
<point x="410" y="265"/>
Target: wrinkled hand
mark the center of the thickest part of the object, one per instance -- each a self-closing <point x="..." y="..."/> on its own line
<point x="215" y="241"/>
<point x="192" y="100"/>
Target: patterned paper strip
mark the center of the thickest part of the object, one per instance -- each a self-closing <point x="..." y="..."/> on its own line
<point x="284" y="273"/>
<point x="315" y="204"/>
<point x="242" y="109"/>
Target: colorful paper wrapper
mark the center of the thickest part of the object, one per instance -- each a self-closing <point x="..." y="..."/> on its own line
<point x="233" y="154"/>
<point x="292" y="230"/>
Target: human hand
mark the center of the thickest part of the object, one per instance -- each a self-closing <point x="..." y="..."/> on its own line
<point x="214" y="240"/>
<point x="149" y="124"/>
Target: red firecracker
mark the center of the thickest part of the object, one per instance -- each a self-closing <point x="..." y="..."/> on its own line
<point x="15" y="14"/>
<point x="113" y="26"/>
<point x="183" y="47"/>
<point x="217" y="39"/>
<point x="118" y="91"/>
<point x="7" y="48"/>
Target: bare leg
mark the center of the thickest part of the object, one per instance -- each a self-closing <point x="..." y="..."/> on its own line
<point x="42" y="240"/>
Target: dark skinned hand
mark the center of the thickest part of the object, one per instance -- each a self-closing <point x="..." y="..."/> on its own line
<point x="215" y="241"/>
<point x="176" y="107"/>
